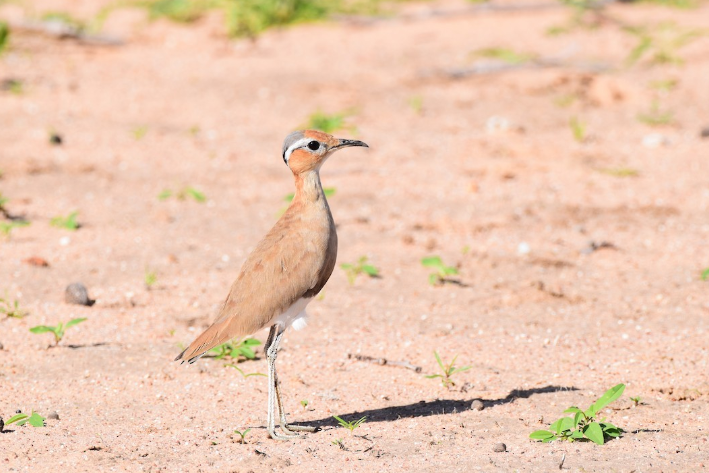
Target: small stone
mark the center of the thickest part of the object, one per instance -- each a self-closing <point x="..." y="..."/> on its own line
<point x="499" y="447"/>
<point x="53" y="415"/>
<point x="2" y="347"/>
<point x="36" y="261"/>
<point x="655" y="140"/>
<point x="523" y="248"/>
<point x="76" y="293"/>
<point x="477" y="405"/>
<point x="2" y="424"/>
<point x="55" y="139"/>
<point x="704" y="133"/>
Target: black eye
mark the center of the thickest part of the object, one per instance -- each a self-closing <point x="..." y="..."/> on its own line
<point x="314" y="145"/>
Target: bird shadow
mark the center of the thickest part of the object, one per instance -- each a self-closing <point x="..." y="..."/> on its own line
<point x="437" y="407"/>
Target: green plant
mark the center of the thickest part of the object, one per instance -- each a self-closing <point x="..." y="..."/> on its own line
<point x="655" y="116"/>
<point x="351" y="426"/>
<point x="183" y="194"/>
<point x="636" y="401"/>
<point x="69" y="222"/>
<point x="665" y="85"/>
<point x="139" y="132"/>
<point x="242" y="372"/>
<point x="361" y="267"/>
<point x="620" y="172"/>
<point x="448" y="371"/>
<point x="660" y="43"/>
<point x="251" y="17"/>
<point x="11" y="310"/>
<point x="584" y="425"/>
<point x="4" y="36"/>
<point x="58" y="330"/>
<point x="416" y="104"/>
<point x="705" y="274"/>
<point x="236" y="350"/>
<point x="150" y="278"/>
<point x="578" y="129"/>
<point x="242" y="435"/>
<point x="7" y="227"/>
<point x="440" y="276"/>
<point x="304" y="403"/>
<point x="328" y="191"/>
<point x="509" y="56"/>
<point x="35" y="420"/>
<point x="339" y="443"/>
<point x="328" y="123"/>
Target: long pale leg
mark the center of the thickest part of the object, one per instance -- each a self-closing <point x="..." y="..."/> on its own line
<point x="274" y="392"/>
<point x="274" y="338"/>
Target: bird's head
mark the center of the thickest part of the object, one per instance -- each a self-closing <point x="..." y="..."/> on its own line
<point x="307" y="150"/>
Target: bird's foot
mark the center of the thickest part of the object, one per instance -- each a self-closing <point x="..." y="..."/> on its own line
<point x="300" y="428"/>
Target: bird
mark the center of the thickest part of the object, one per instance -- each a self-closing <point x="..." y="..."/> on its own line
<point x="285" y="271"/>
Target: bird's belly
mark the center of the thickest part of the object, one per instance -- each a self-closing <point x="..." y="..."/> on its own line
<point x="295" y="315"/>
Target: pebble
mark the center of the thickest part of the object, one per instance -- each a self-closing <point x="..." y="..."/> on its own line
<point x="2" y="347"/>
<point x="76" y="293"/>
<point x="477" y="405"/>
<point x="655" y="140"/>
<point x="53" y="415"/>
<point x="704" y="133"/>
<point x="55" y="139"/>
<point x="523" y="248"/>
<point x="499" y="447"/>
<point x="2" y="424"/>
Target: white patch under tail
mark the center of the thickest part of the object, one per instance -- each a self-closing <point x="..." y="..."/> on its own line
<point x="294" y="316"/>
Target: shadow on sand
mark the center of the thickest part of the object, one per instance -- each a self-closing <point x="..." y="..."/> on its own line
<point x="432" y="408"/>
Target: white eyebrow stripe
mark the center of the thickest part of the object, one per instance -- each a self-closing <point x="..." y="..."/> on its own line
<point x="298" y="144"/>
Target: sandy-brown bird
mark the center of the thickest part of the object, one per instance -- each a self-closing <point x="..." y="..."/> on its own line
<point x="286" y="269"/>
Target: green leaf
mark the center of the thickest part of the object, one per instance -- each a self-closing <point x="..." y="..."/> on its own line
<point x="578" y="417"/>
<point x="560" y="425"/>
<point x="42" y="329"/>
<point x="16" y="418"/>
<point x="577" y="435"/>
<point x="433" y="279"/>
<point x="450" y="270"/>
<point x="541" y="435"/>
<point x="164" y="194"/>
<point x="329" y="191"/>
<point x="36" y="420"/>
<point x="370" y="270"/>
<point x="346" y="266"/>
<point x="248" y="353"/>
<point x="609" y="396"/>
<point x="73" y="322"/>
<point x="594" y="433"/>
<point x="432" y="261"/>
<point x="438" y="359"/>
<point x="705" y="274"/>
<point x="289" y="197"/>
<point x="572" y="409"/>
<point x="250" y="342"/>
<point x="195" y="194"/>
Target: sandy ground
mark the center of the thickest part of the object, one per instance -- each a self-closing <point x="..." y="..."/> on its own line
<point x="513" y="202"/>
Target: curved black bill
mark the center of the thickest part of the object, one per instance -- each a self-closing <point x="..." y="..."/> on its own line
<point x="346" y="143"/>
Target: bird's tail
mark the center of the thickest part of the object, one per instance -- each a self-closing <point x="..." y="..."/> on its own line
<point x="215" y="335"/>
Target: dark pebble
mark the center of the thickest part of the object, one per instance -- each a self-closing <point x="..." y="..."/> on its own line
<point x="55" y="139"/>
<point x="499" y="447"/>
<point x="2" y="424"/>
<point x="53" y="415"/>
<point x="2" y="347"/>
<point x="704" y="133"/>
<point x="76" y="293"/>
<point x="477" y="405"/>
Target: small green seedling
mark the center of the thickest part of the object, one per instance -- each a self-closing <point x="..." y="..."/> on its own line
<point x="448" y="371"/>
<point x="242" y="372"/>
<point x="12" y="310"/>
<point x="35" y="420"/>
<point x="68" y="223"/>
<point x="329" y="123"/>
<point x="139" y="132"/>
<point x="620" y="172"/>
<point x="655" y="116"/>
<point x="416" y="104"/>
<point x="705" y="275"/>
<point x="578" y="129"/>
<point x="661" y="43"/>
<point x="339" y="443"/>
<point x="150" y="278"/>
<point x="506" y="55"/>
<point x="4" y="36"/>
<point x="637" y="401"/>
<point x="58" y="330"/>
<point x="584" y="425"/>
<point x="236" y="350"/>
<point x="440" y="276"/>
<point x="242" y="435"/>
<point x="361" y="267"/>
<point x="7" y="227"/>
<point x="304" y="403"/>
<point x="328" y="191"/>
<point x="351" y="426"/>
<point x="183" y="194"/>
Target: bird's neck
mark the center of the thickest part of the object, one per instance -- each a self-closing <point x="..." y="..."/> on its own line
<point x="308" y="189"/>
